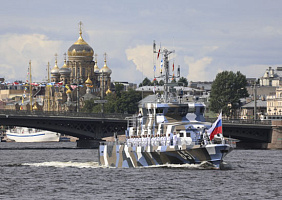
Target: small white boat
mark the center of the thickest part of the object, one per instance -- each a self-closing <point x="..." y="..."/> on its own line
<point x="24" y="134"/>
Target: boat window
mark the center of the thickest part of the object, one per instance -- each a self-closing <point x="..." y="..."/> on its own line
<point x="202" y="109"/>
<point x="180" y="134"/>
<point x="188" y="134"/>
<point x="159" y="111"/>
<point x="183" y="111"/>
<point x="171" y="110"/>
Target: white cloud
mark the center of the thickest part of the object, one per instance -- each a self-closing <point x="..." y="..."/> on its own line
<point x="16" y="51"/>
<point x="197" y="68"/>
<point x="232" y="38"/>
<point x="142" y="57"/>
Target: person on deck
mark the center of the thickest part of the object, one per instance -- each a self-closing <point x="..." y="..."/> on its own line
<point x="163" y="140"/>
<point x="158" y="140"/>
<point x="174" y="139"/>
<point x="139" y="114"/>
<point x="206" y="137"/>
<point x="171" y="139"/>
<point x="128" y="141"/>
<point x="168" y="140"/>
<point x="148" y="140"/>
<point x="153" y="140"/>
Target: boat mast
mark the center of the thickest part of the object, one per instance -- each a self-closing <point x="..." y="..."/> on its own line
<point x="30" y="87"/>
<point x="166" y="75"/>
<point x="48" y="88"/>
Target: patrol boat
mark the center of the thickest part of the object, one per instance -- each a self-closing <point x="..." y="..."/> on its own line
<point x="168" y="130"/>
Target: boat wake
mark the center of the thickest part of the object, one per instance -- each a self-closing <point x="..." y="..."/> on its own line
<point x="203" y="165"/>
<point x="65" y="164"/>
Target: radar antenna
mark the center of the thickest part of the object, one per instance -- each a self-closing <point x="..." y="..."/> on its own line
<point x="166" y="75"/>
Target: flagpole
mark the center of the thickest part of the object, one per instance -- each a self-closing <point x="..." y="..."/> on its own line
<point x="222" y="127"/>
<point x="48" y="88"/>
<point x="30" y="87"/>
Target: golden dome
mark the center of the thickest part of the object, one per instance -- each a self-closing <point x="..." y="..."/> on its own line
<point x="96" y="68"/>
<point x="108" y="91"/>
<point x="35" y="107"/>
<point x="55" y="70"/>
<point x="65" y="70"/>
<point x="105" y="69"/>
<point x="68" y="91"/>
<point x="88" y="81"/>
<point x="80" y="48"/>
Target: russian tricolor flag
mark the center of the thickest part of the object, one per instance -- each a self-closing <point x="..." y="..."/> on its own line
<point x="216" y="127"/>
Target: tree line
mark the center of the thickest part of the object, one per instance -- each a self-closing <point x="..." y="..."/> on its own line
<point x="117" y="102"/>
<point x="226" y="91"/>
<point x="146" y="82"/>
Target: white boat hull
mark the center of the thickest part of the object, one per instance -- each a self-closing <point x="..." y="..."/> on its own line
<point x="40" y="136"/>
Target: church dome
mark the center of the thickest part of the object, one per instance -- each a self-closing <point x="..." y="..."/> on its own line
<point x="88" y="81"/>
<point x="65" y="70"/>
<point x="108" y="91"/>
<point x="55" y="70"/>
<point x="96" y="68"/>
<point x="80" y="48"/>
<point x="68" y="91"/>
<point x="106" y="70"/>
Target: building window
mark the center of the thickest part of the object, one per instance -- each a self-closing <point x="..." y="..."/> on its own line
<point x="83" y="71"/>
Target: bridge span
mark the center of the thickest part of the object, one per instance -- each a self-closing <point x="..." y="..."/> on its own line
<point x="91" y="128"/>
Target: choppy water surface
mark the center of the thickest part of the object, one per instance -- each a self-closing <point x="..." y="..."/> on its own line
<point x="61" y="171"/>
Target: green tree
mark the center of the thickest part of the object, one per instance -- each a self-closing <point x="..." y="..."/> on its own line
<point x="227" y="88"/>
<point x="128" y="102"/>
<point x="88" y="106"/>
<point x="161" y="82"/>
<point x="155" y="82"/>
<point x="145" y="82"/>
<point x="119" y="88"/>
<point x="183" y="81"/>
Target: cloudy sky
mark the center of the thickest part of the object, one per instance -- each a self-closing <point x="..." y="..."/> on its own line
<point x="207" y="36"/>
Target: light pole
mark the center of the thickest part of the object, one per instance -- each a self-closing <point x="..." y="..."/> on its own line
<point x="255" y="108"/>
<point x="103" y="90"/>
<point x="255" y="101"/>
<point x="77" y="76"/>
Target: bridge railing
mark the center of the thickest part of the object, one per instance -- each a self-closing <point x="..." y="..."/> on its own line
<point x="64" y="114"/>
<point x="241" y="121"/>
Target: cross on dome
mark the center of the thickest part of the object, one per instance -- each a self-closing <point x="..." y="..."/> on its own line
<point x="105" y="54"/>
<point x="56" y="58"/>
<point x="80" y="28"/>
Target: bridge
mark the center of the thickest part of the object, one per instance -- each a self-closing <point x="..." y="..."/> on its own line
<point x="252" y="134"/>
<point x="90" y="128"/>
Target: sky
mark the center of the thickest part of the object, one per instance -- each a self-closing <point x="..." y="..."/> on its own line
<point x="208" y="36"/>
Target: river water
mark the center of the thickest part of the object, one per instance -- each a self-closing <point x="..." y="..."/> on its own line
<point x="61" y="171"/>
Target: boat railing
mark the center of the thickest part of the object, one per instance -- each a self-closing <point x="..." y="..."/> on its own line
<point x="230" y="141"/>
<point x="135" y="121"/>
<point x="112" y="143"/>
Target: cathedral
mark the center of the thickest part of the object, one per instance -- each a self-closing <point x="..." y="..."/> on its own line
<point x="80" y="77"/>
